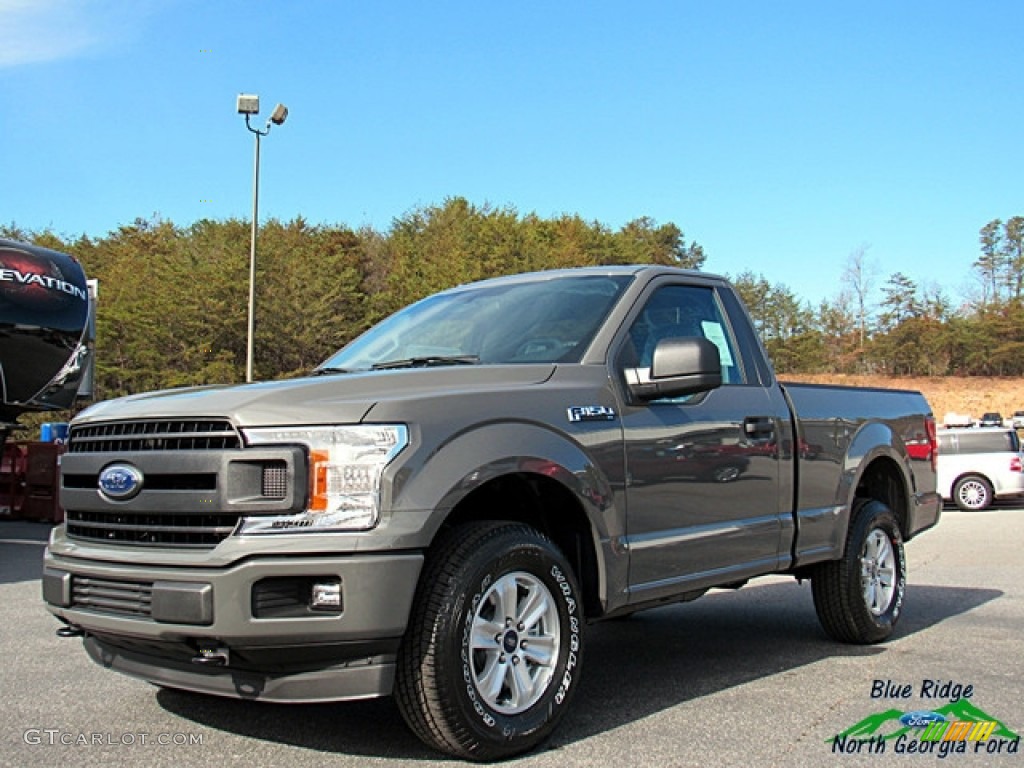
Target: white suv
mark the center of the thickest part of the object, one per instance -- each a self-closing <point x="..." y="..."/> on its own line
<point x="979" y="465"/>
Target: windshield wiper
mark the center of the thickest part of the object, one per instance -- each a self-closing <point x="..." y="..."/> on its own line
<point x="329" y="371"/>
<point x="427" y="362"/>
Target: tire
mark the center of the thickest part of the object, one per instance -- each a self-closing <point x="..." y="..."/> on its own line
<point x="726" y="474"/>
<point x="972" y="493"/>
<point x="859" y="598"/>
<point x="493" y="651"/>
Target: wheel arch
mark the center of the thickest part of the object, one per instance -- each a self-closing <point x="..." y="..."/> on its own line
<point x="881" y="472"/>
<point x="876" y="470"/>
<point x="970" y="473"/>
<point x="884" y="480"/>
<point x="524" y="472"/>
<point x="550" y="507"/>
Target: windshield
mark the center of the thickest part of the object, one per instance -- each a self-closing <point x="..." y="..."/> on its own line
<point x="546" y="320"/>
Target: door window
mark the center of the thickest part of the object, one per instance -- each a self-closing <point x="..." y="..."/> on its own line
<point x="677" y="311"/>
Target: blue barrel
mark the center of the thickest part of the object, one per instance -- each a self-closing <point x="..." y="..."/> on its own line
<point x="54" y="432"/>
<point x="60" y="432"/>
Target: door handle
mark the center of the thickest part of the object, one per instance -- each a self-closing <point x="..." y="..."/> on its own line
<point x="759" y="427"/>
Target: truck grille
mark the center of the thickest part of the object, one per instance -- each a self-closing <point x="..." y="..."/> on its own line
<point x="126" y="598"/>
<point x="193" y="480"/>
<point x="154" y="435"/>
<point x="198" y="530"/>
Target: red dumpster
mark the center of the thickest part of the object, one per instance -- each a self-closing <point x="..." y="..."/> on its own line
<point x="13" y="463"/>
<point x="41" y="498"/>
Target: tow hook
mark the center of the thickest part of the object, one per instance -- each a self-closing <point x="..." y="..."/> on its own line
<point x="212" y="657"/>
<point x="70" y="631"/>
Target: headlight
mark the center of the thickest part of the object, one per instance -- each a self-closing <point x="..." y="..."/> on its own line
<point x="345" y="469"/>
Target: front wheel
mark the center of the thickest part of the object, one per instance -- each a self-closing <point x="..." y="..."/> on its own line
<point x="859" y="597"/>
<point x="493" y="649"/>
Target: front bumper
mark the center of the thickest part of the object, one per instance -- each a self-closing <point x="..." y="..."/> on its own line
<point x="242" y="630"/>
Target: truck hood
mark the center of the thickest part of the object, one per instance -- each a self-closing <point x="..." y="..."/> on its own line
<point x="329" y="399"/>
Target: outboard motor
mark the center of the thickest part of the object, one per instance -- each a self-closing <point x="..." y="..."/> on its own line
<point x="44" y="330"/>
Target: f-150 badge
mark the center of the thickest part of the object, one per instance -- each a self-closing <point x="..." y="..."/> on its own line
<point x="591" y="413"/>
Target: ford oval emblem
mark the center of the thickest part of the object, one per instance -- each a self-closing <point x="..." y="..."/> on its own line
<point x="120" y="482"/>
<point x="921" y="718"/>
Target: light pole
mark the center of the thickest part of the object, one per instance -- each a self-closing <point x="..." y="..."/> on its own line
<point x="249" y="104"/>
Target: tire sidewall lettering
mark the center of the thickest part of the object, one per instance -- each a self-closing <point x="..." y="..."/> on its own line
<point x="895" y="608"/>
<point x="901" y="586"/>
<point x="888" y="526"/>
<point x="538" y="563"/>
<point x="574" y="635"/>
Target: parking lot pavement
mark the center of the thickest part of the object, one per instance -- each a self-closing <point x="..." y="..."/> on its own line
<point x="734" y="679"/>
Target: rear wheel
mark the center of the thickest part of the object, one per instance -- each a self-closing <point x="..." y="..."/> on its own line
<point x="859" y="598"/>
<point x="972" y="493"/>
<point x="493" y="650"/>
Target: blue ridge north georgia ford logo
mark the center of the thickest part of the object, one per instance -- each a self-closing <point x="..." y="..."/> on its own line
<point x="120" y="482"/>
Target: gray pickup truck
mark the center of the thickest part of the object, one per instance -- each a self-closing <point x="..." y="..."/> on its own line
<point x="445" y="504"/>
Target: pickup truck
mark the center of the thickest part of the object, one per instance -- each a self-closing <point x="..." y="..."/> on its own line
<point x="441" y="509"/>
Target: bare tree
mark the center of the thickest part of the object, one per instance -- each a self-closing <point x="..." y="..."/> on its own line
<point x="859" y="279"/>
<point x="990" y="262"/>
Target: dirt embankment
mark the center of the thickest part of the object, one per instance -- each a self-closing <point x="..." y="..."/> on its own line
<point x="973" y="396"/>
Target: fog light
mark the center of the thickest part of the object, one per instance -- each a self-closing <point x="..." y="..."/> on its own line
<point x="326" y="596"/>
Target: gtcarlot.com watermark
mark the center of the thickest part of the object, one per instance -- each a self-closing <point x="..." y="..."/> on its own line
<point x="52" y="737"/>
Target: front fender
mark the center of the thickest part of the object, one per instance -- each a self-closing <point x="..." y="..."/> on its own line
<point x="470" y="459"/>
<point x="431" y="485"/>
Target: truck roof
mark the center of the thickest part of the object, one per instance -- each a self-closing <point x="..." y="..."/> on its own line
<point x="614" y="270"/>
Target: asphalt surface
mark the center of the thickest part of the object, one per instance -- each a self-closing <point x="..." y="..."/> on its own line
<point x="741" y="678"/>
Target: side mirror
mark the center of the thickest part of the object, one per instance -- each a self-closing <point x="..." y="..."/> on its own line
<point x="683" y="366"/>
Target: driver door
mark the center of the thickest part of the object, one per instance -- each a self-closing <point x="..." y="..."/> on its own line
<point x="704" y="502"/>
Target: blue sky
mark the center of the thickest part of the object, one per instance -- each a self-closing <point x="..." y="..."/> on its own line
<point x="780" y="136"/>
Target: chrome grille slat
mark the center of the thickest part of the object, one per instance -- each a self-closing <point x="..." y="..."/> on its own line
<point x="154" y="435"/>
<point x="179" y="530"/>
<point x="223" y="530"/>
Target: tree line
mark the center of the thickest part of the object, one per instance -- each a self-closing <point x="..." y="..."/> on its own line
<point x="172" y="307"/>
<point x="902" y="327"/>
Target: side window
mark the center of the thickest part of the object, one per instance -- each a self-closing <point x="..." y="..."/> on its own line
<point x="988" y="442"/>
<point x="676" y="311"/>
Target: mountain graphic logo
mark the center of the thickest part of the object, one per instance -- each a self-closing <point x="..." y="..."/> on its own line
<point x="887" y="725"/>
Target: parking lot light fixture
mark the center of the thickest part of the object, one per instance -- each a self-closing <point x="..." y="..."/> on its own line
<point x="248" y="104"/>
